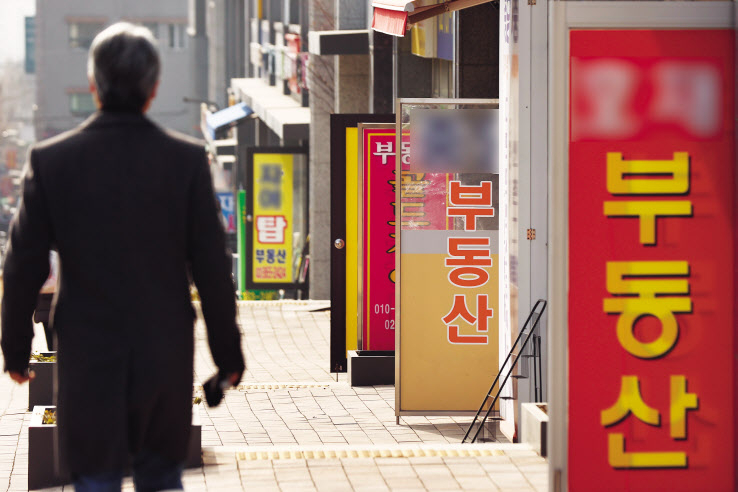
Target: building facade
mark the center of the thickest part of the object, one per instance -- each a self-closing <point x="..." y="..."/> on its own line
<point x="296" y="62"/>
<point x="64" y="32"/>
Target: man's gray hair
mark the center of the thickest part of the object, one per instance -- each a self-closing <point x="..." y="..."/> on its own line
<point x="124" y="65"/>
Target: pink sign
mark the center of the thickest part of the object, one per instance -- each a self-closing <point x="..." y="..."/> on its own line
<point x="422" y="208"/>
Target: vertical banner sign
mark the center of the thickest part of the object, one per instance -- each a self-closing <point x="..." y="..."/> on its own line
<point x="651" y="260"/>
<point x="378" y="212"/>
<point x="272" y="223"/>
<point x="228" y="210"/>
<point x="509" y="159"/>
<point x="378" y="236"/>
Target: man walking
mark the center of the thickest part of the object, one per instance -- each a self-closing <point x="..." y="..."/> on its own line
<point x="131" y="211"/>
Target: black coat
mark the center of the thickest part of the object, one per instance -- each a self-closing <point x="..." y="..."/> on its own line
<point x="130" y="208"/>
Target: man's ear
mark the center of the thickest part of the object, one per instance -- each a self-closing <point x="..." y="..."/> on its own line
<point x="151" y="97"/>
<point x="95" y="96"/>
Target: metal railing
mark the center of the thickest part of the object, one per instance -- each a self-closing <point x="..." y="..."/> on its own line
<point x="526" y="334"/>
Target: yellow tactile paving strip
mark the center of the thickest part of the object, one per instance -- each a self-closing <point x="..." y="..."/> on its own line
<point x="271" y="386"/>
<point x="364" y="453"/>
<point x="265" y="386"/>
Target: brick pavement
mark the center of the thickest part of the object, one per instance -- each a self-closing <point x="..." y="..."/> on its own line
<point x="289" y="405"/>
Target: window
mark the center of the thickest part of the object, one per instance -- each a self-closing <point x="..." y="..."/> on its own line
<point x="81" y="104"/>
<point x="443" y="78"/>
<point x="81" y="34"/>
<point x="177" y="36"/>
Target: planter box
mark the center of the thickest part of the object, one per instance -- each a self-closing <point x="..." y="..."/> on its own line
<point x="41" y="388"/>
<point x="534" y="426"/>
<point x="371" y="367"/>
<point x="194" y="448"/>
<point x="45" y="469"/>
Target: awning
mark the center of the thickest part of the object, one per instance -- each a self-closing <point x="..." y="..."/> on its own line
<point x="224" y="117"/>
<point x="393" y="16"/>
<point x="388" y="21"/>
<point x="285" y="116"/>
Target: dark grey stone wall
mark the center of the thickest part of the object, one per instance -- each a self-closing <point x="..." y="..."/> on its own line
<point x="414" y="73"/>
<point x="380" y="51"/>
<point x="479" y="51"/>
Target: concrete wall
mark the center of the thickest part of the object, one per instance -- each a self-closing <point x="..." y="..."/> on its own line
<point x="226" y="39"/>
<point x="352" y="72"/>
<point x="322" y="89"/>
<point x="217" y="83"/>
<point x="198" y="50"/>
<point x="61" y="68"/>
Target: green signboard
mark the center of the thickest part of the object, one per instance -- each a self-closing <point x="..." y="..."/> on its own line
<point x="241" y="239"/>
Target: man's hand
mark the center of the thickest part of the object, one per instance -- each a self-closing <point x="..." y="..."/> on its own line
<point x="21" y="378"/>
<point x="233" y="378"/>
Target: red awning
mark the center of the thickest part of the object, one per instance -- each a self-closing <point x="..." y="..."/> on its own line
<point x="393" y="16"/>
<point x="392" y="22"/>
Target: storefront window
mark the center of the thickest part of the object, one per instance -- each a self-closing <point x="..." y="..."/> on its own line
<point x="443" y="78"/>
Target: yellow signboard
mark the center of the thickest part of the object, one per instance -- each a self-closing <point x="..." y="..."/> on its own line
<point x="444" y="370"/>
<point x="272" y="218"/>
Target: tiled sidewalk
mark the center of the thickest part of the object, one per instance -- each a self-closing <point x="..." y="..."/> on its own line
<point x="289" y="404"/>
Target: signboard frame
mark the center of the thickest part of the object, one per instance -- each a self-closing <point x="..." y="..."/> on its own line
<point x="250" y="153"/>
<point x="339" y="125"/>
<point x="566" y="16"/>
<point x="430" y="103"/>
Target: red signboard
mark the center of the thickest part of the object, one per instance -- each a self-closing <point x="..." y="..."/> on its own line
<point x="652" y="260"/>
<point x="378" y="227"/>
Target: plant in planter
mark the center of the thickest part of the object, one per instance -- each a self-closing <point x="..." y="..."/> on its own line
<point x="41" y="387"/>
<point x="49" y="416"/>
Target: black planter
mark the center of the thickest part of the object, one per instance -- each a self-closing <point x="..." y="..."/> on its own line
<point x="45" y="469"/>
<point x="194" y="450"/>
<point x="41" y="388"/>
<point x="371" y="367"/>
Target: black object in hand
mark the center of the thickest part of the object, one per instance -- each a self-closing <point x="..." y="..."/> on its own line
<point x="214" y="387"/>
